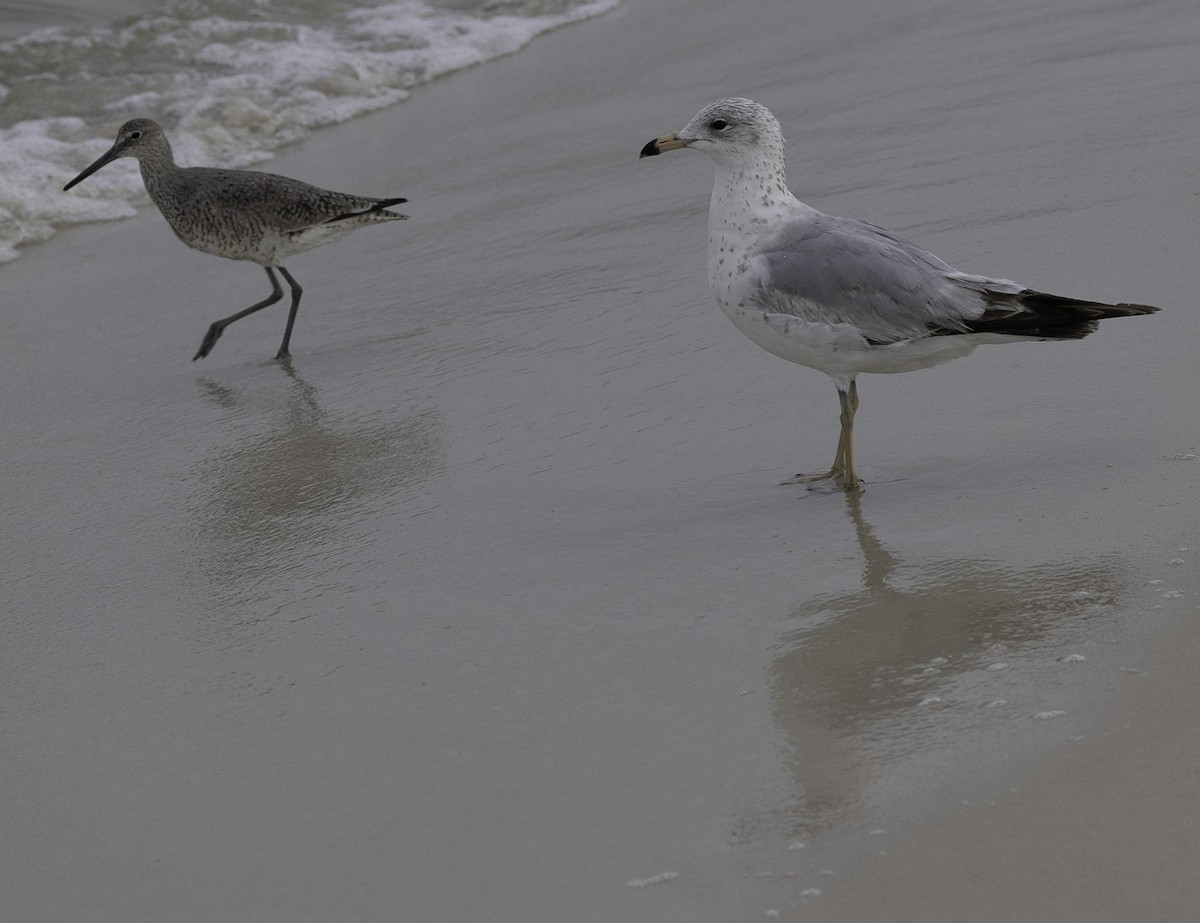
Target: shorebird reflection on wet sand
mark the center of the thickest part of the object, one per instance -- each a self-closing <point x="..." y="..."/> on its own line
<point x="839" y="295"/>
<point x="241" y="214"/>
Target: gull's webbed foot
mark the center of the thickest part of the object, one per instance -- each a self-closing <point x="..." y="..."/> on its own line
<point x="841" y="478"/>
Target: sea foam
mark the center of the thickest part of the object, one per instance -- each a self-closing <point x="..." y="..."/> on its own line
<point x="230" y="82"/>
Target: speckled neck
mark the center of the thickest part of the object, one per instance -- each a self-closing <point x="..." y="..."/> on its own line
<point x="741" y="189"/>
<point x="748" y="193"/>
<point x="157" y="164"/>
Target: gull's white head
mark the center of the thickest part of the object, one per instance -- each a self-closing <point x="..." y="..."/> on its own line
<point x="730" y="131"/>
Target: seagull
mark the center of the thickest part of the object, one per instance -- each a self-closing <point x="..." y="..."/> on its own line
<point x="241" y="214"/>
<point x="840" y="295"/>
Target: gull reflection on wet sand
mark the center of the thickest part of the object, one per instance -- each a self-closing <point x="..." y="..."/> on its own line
<point x="861" y="685"/>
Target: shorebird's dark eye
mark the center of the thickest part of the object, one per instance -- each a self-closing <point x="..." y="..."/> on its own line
<point x="134" y="135"/>
<point x="719" y="124"/>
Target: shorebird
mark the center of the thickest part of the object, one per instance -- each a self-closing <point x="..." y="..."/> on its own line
<point x="241" y="214"/>
<point x="840" y="295"/>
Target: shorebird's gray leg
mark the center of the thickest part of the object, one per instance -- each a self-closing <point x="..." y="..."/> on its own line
<point x="218" y="327"/>
<point x="297" y="291"/>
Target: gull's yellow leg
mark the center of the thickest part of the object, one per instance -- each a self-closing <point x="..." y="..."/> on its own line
<point x="842" y="473"/>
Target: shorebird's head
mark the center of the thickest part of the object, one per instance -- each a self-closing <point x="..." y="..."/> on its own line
<point x="137" y="138"/>
<point x="729" y="130"/>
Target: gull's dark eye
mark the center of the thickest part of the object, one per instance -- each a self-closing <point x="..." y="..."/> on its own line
<point x="718" y="124"/>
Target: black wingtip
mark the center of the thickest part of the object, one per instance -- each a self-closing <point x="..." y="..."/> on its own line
<point x="1098" y="310"/>
<point x="650" y="150"/>
<point x="1048" y="317"/>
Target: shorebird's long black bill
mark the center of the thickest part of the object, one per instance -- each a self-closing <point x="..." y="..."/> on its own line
<point x="108" y="157"/>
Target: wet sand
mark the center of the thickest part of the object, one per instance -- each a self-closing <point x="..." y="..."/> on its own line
<point x="491" y="607"/>
<point x="21" y="16"/>
<point x="1104" y="830"/>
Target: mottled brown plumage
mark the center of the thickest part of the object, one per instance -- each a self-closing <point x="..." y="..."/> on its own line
<point x="241" y="214"/>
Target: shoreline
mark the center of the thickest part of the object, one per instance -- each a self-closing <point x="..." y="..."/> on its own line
<point x="491" y="604"/>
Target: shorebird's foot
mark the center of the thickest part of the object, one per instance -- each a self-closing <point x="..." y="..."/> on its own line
<point x="210" y="340"/>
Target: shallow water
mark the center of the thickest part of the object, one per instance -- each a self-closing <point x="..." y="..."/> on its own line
<point x="18" y="17"/>
<point x="490" y="605"/>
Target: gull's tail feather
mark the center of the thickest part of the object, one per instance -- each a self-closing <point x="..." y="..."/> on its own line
<point x="1047" y="317"/>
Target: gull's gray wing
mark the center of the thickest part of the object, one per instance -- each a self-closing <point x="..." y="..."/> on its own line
<point x="840" y="271"/>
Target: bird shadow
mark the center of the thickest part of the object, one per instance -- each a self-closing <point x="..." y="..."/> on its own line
<point x="913" y="652"/>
